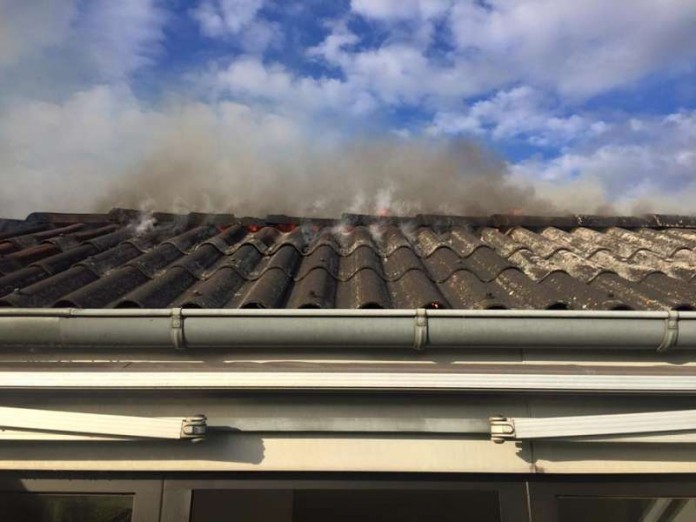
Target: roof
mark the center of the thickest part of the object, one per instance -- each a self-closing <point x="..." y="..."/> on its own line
<point x="129" y="259"/>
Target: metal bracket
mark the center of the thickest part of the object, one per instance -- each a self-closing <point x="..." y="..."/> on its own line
<point x="671" y="331"/>
<point x="177" y="332"/>
<point x="420" y="338"/>
<point x="502" y="429"/>
<point x="194" y="428"/>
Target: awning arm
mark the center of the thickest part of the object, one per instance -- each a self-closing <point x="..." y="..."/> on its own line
<point x="31" y="424"/>
<point x="660" y="426"/>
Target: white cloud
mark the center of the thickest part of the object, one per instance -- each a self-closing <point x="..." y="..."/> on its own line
<point x="400" y="9"/>
<point x="400" y="73"/>
<point x="238" y="21"/>
<point x="225" y="17"/>
<point x="648" y="160"/>
<point x="120" y="37"/>
<point x="247" y="78"/>
<point x="578" y="48"/>
<point x="336" y="44"/>
<point x="519" y="113"/>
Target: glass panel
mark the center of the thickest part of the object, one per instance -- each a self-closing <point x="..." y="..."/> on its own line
<point x="616" y="509"/>
<point x="49" y="507"/>
<point x="364" y="505"/>
<point x="395" y="506"/>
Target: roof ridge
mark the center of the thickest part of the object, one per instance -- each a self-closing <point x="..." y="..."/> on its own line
<point x="444" y="221"/>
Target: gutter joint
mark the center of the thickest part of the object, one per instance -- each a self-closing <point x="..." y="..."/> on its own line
<point x="177" y="331"/>
<point x="420" y="338"/>
<point x="671" y="335"/>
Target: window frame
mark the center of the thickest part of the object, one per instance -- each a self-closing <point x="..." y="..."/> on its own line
<point x="177" y="494"/>
<point x="543" y="493"/>
<point x="147" y="493"/>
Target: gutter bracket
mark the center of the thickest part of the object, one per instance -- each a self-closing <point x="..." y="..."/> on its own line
<point x="420" y="338"/>
<point x="671" y="332"/>
<point x="177" y="331"/>
<point x="502" y="429"/>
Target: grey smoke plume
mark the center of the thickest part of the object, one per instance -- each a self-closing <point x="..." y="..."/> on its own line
<point x="102" y="148"/>
<point x="233" y="160"/>
<point x="204" y="172"/>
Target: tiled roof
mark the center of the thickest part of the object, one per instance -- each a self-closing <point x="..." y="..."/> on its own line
<point x="125" y="259"/>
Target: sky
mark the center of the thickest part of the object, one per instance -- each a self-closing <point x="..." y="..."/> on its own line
<point x="590" y="105"/>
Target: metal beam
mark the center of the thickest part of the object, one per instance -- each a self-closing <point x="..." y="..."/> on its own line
<point x="350" y="425"/>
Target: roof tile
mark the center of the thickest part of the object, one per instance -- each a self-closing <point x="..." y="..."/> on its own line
<point x="218" y="261"/>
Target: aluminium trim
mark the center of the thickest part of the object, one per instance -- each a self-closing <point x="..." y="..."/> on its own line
<point x="46" y="436"/>
<point x="657" y="438"/>
<point x="350" y="381"/>
<point x="67" y="422"/>
<point x="605" y="425"/>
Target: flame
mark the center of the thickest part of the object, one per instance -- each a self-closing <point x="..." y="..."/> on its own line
<point x="286" y="227"/>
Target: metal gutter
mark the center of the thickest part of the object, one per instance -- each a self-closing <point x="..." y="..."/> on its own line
<point x="416" y="329"/>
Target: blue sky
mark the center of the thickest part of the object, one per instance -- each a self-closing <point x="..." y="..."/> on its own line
<point x="595" y="98"/>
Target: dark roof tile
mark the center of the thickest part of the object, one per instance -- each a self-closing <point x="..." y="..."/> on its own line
<point x="415" y="290"/>
<point x="464" y="290"/>
<point x="217" y="261"/>
<point x="268" y="291"/>
<point x="357" y="260"/>
<point x="365" y="289"/>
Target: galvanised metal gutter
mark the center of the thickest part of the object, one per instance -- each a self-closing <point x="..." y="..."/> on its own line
<point x="417" y="329"/>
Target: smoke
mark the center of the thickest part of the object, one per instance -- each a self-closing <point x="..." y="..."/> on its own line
<point x="201" y="165"/>
<point x="103" y="148"/>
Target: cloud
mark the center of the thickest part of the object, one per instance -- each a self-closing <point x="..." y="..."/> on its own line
<point x="577" y="48"/>
<point x="400" y="9"/>
<point x="647" y="163"/>
<point x="238" y="21"/>
<point x="120" y="37"/>
<point x="520" y="113"/>
<point x="226" y="17"/>
<point x="248" y="79"/>
<point x="49" y="49"/>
